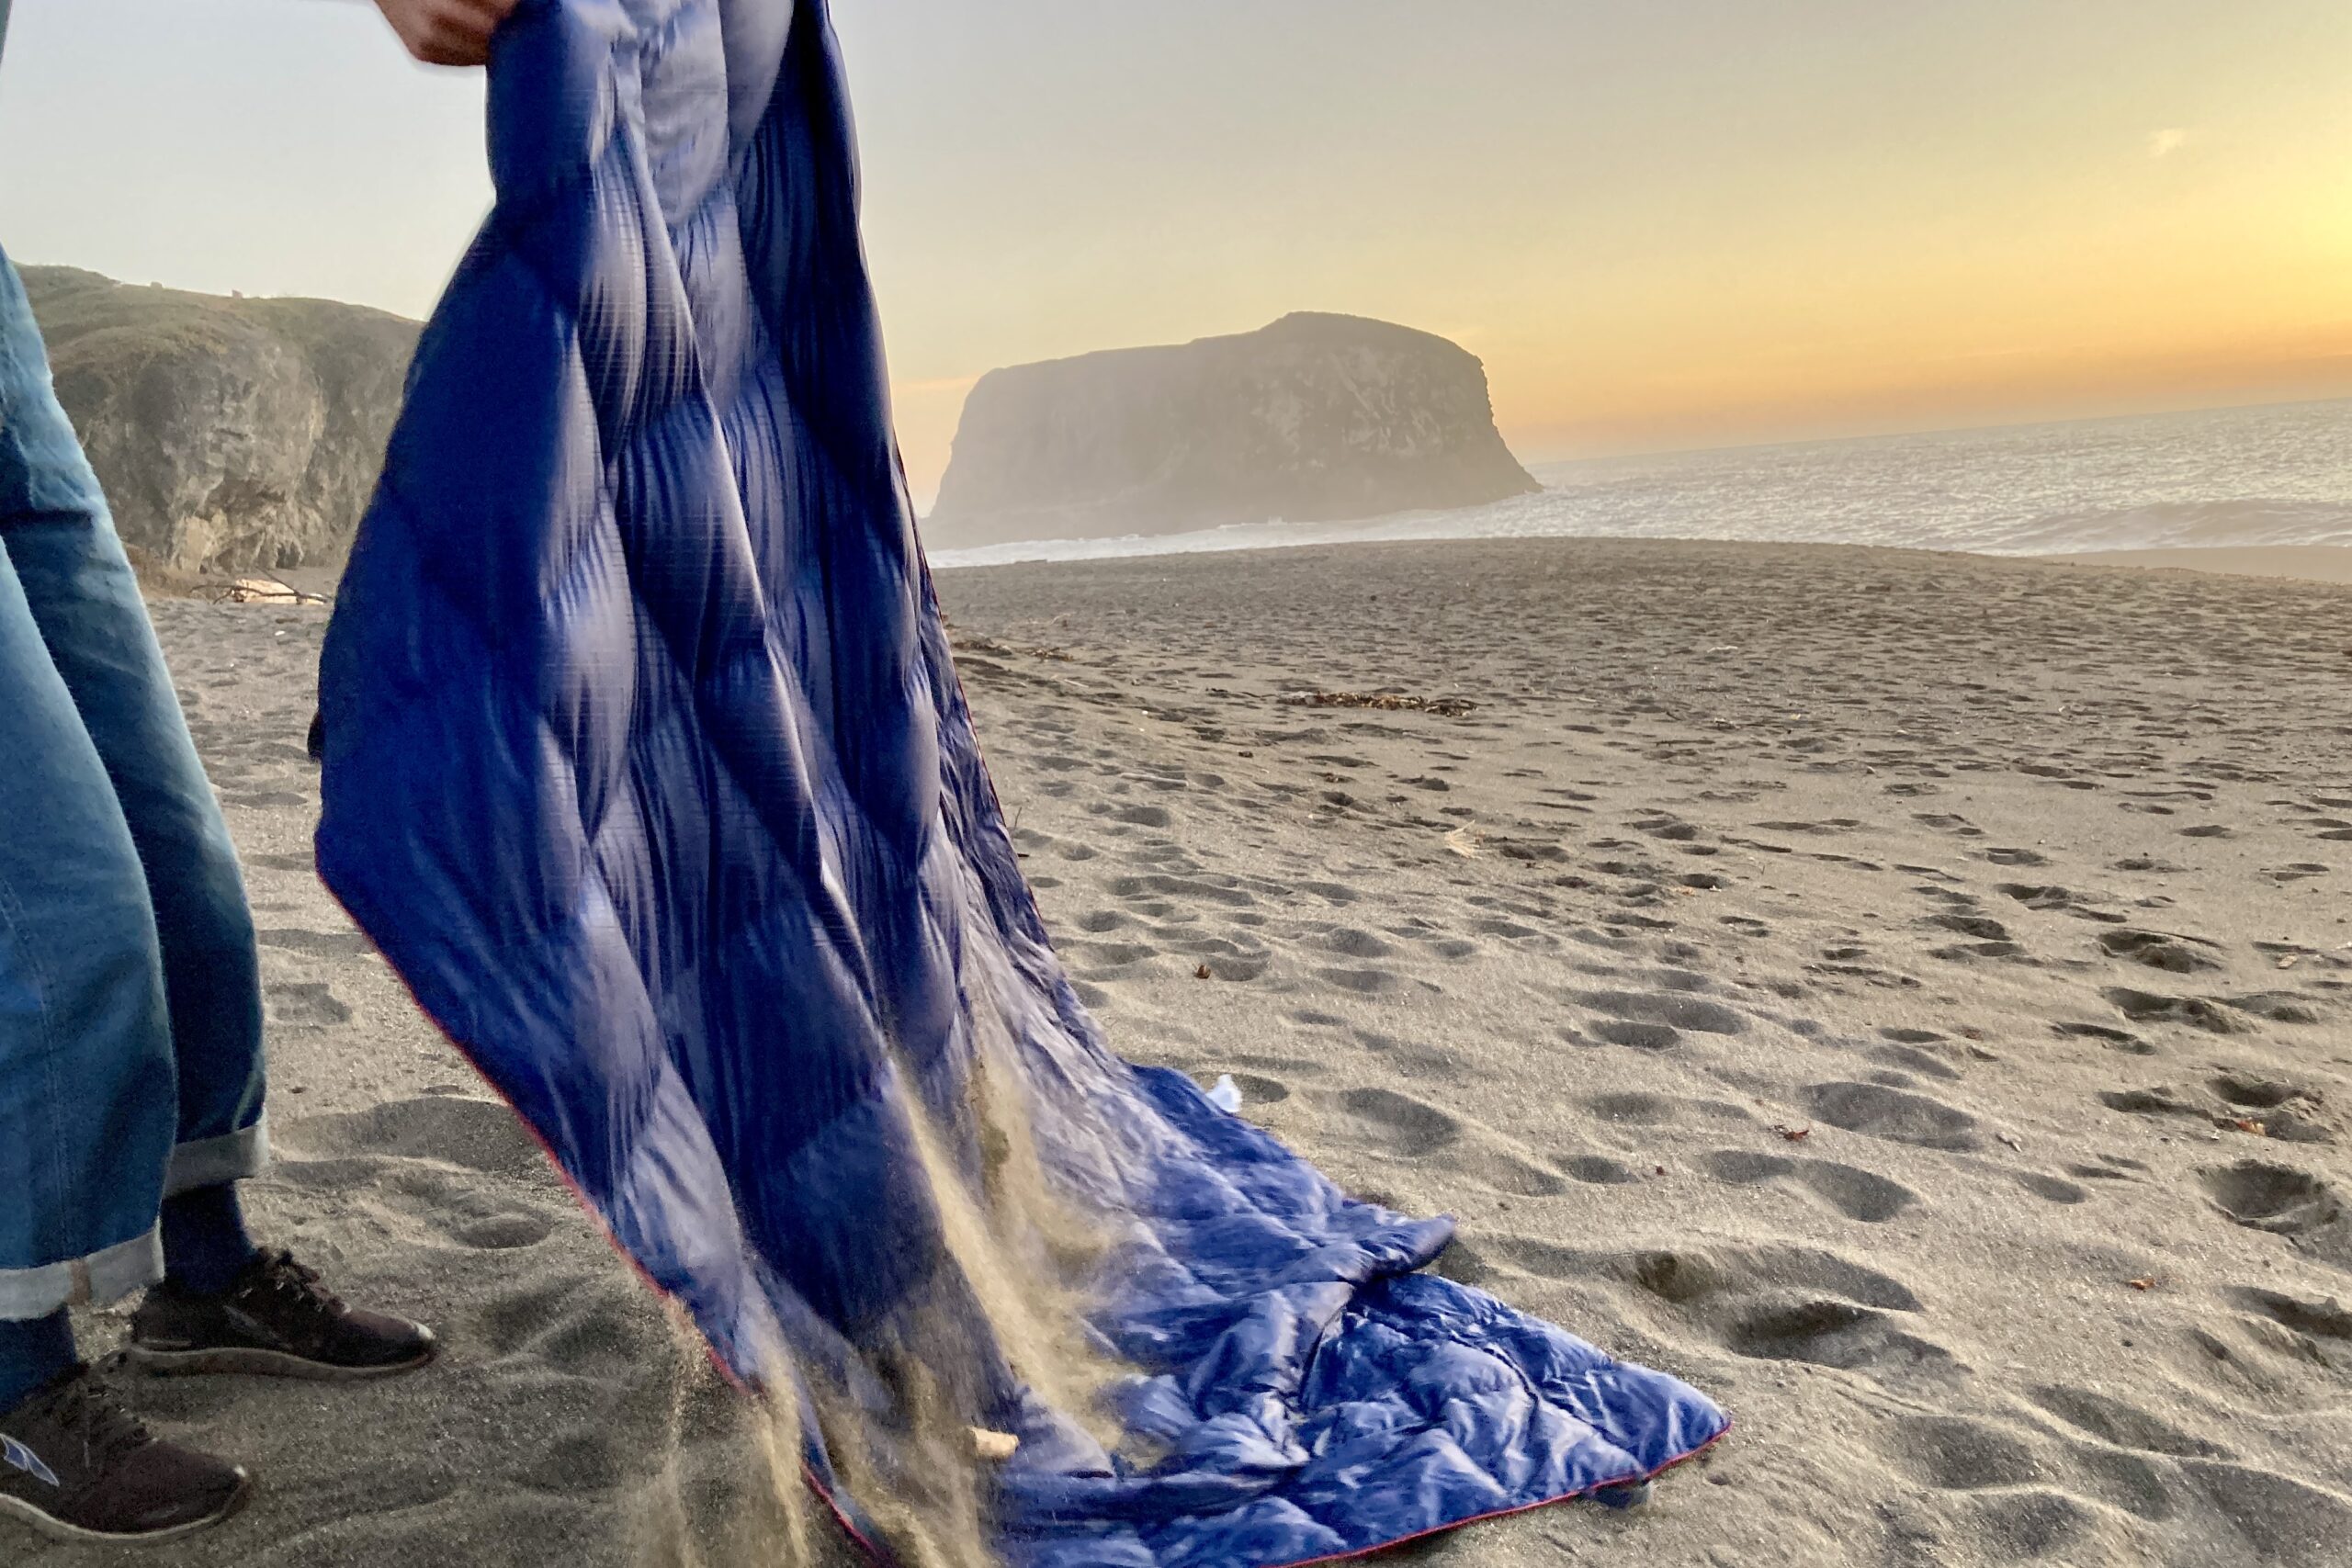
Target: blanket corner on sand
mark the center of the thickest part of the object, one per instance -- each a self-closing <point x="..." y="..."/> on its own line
<point x="647" y="768"/>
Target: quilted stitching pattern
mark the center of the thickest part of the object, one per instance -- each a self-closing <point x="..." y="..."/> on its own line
<point x="647" y="768"/>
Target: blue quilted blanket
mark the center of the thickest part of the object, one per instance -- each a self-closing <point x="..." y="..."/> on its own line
<point x="647" y="768"/>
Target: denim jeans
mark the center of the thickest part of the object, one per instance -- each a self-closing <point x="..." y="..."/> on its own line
<point x="131" y="1020"/>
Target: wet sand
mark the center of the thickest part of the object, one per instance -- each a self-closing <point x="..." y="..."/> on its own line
<point x="2311" y="563"/>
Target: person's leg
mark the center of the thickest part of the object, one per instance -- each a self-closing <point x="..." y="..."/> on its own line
<point x="87" y="1097"/>
<point x="78" y="587"/>
<point x="34" y="1352"/>
<point x="206" y="1245"/>
<point x="88" y="1100"/>
<point x="222" y="1305"/>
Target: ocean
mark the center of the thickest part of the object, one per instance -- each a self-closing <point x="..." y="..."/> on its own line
<point x="2279" y="474"/>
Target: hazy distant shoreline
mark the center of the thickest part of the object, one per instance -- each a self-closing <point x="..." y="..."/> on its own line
<point x="2244" y="478"/>
<point x="2304" y="563"/>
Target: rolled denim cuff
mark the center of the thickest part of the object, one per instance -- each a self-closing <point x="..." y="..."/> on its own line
<point x="208" y="1162"/>
<point x="118" y="1271"/>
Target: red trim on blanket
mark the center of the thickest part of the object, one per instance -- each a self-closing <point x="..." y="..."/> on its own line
<point x="1363" y="1551"/>
<point x="873" y="1553"/>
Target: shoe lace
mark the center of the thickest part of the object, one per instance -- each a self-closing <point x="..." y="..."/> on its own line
<point x="87" y="1411"/>
<point x="298" y="1284"/>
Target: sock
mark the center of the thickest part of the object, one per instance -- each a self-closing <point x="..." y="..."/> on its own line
<point x="205" y="1243"/>
<point x="32" y="1351"/>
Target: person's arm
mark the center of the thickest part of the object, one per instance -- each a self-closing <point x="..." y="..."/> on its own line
<point x="445" y="32"/>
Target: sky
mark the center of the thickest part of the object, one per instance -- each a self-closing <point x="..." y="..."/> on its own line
<point x="1661" y="223"/>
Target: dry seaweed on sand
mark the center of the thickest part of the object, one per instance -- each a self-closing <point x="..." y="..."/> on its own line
<point x="991" y="644"/>
<point x="1386" y="702"/>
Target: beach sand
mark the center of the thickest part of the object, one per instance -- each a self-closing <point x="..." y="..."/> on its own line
<point x="1905" y="995"/>
<point x="2313" y="563"/>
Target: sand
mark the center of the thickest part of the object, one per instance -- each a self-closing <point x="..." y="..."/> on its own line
<point x="1904" y="995"/>
<point x="2316" y="563"/>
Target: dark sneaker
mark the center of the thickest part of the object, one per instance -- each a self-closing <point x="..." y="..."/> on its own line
<point x="76" y="1466"/>
<point x="277" y="1320"/>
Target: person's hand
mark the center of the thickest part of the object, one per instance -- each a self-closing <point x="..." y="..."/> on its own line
<point x="446" y="32"/>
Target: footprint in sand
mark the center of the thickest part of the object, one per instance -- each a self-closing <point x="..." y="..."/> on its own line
<point x="262" y="799"/>
<point x="1351" y="943"/>
<point x="1158" y="886"/>
<point x="2322" y="1329"/>
<point x="1910" y="1058"/>
<point x="2125" y="1425"/>
<point x="2050" y="898"/>
<point x="1855" y="1193"/>
<point x="592" y="1325"/>
<point x="2051" y="1189"/>
<point x="1637" y="1034"/>
<point x="1831" y="1333"/>
<point x="1954" y="1454"/>
<point x="2146" y="1007"/>
<point x="2279" y="1007"/>
<point x="1398" y="1124"/>
<point x="1106" y="960"/>
<point x="1394" y="1123"/>
<point x="2110" y="1167"/>
<point x="1498" y="1170"/>
<point x="1653" y="1021"/>
<point x="318" y="944"/>
<point x="303" y="1004"/>
<point x="304" y="864"/>
<point x="2149" y="863"/>
<point x="1982" y="927"/>
<point x="505" y="1233"/>
<point x="476" y="1134"/>
<point x="2279" y="1198"/>
<point x="1362" y="982"/>
<point x="2154" y="1101"/>
<point x="1410" y="1058"/>
<point x="2159" y="950"/>
<point x="1879" y="1111"/>
<point x="2282" y="1519"/>
<point x="1225" y="960"/>
<point x="1509" y="930"/>
<point x="2250" y="1092"/>
<point x="1258" y="1091"/>
<point x="2117" y="1039"/>
<point x="1781" y="1303"/>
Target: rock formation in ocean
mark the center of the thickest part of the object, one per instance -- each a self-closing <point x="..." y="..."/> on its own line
<point x="1315" y="418"/>
<point x="230" y="433"/>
